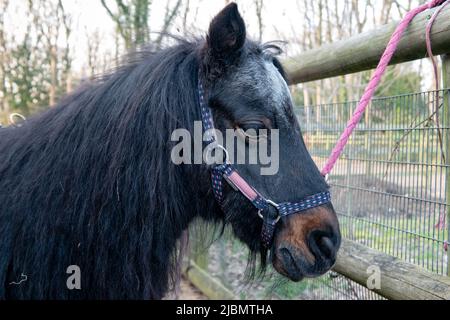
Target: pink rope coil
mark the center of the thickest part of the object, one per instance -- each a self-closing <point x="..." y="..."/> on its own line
<point x="375" y="81"/>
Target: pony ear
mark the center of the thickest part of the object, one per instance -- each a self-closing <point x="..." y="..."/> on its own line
<point x="226" y="32"/>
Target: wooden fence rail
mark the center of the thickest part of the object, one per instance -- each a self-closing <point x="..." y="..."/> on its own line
<point x="363" y="52"/>
<point x="399" y="280"/>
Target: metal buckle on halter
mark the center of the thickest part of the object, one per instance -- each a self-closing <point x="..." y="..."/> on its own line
<point x="226" y="157"/>
<point x="212" y="146"/>
<point x="273" y="204"/>
<point x="12" y="120"/>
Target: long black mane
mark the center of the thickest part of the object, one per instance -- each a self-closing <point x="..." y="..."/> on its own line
<point x="90" y="183"/>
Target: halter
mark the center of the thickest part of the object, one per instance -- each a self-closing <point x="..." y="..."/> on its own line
<point x="269" y="211"/>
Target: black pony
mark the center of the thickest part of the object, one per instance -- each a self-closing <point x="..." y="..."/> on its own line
<point x="90" y="183"/>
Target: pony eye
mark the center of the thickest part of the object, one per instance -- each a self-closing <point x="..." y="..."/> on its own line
<point x="252" y="130"/>
<point x="252" y="125"/>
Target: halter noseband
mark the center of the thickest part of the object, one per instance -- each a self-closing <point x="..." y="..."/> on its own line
<point x="268" y="210"/>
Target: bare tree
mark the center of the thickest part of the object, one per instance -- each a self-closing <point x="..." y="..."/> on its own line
<point x="259" y="5"/>
<point x="187" y="8"/>
<point x="4" y="107"/>
<point x="66" y="20"/>
<point x="131" y="19"/>
<point x="94" y="61"/>
<point x="171" y="13"/>
<point x="49" y="19"/>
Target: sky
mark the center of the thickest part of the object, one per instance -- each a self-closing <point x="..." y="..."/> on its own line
<point x="89" y="16"/>
<point x="281" y="18"/>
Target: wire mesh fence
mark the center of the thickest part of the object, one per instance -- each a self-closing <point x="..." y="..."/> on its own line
<point x="390" y="190"/>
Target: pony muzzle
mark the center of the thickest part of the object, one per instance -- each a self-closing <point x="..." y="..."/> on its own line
<point x="306" y="244"/>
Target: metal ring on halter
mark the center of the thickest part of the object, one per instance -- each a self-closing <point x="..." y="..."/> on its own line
<point x="327" y="178"/>
<point x="213" y="146"/>
<point x="13" y="122"/>
<point x="275" y="205"/>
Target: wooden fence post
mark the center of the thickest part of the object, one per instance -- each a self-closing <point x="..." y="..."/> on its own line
<point x="199" y="251"/>
<point x="446" y="85"/>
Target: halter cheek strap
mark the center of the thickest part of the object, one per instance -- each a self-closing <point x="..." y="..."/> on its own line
<point x="268" y="210"/>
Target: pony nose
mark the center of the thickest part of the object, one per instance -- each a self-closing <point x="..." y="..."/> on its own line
<point x="291" y="261"/>
<point x="323" y="245"/>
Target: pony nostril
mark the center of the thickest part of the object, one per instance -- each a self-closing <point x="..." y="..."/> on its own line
<point x="288" y="258"/>
<point x="322" y="245"/>
<point x="326" y="246"/>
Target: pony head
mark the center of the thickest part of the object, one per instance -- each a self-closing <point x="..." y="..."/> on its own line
<point x="247" y="91"/>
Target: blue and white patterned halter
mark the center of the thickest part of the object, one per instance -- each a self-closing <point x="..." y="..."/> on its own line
<point x="225" y="171"/>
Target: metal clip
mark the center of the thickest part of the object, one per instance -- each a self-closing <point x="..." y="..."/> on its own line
<point x="275" y="205"/>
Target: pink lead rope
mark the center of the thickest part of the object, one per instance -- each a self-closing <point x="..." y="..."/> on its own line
<point x="376" y="77"/>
